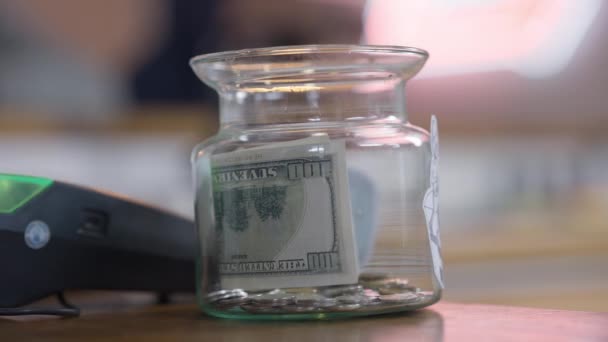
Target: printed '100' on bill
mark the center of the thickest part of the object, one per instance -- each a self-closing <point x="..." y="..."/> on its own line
<point x="282" y="214"/>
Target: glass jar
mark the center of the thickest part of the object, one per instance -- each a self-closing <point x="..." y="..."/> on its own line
<point x="316" y="199"/>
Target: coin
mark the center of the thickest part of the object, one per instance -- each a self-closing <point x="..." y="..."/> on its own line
<point x="395" y="286"/>
<point x="216" y="294"/>
<point x="370" y="293"/>
<point x="396" y="282"/>
<point x="325" y="303"/>
<point x="299" y="309"/>
<point x="375" y="283"/>
<point x="339" y="290"/>
<point x="344" y="307"/>
<point x="272" y="292"/>
<point x="313" y="299"/>
<point x="357" y="299"/>
<point x="272" y="299"/>
<point x="396" y="290"/>
<point x="352" y="299"/>
<point x="298" y="290"/>
<point x="266" y="291"/>
<point x="225" y="294"/>
<point x="260" y="309"/>
<point x="307" y="298"/>
<point x="399" y="298"/>
<point x="230" y="302"/>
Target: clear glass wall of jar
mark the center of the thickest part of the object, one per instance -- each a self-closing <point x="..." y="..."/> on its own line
<point x="309" y="199"/>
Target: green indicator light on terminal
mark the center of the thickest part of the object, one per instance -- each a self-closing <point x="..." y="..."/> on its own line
<point x="17" y="190"/>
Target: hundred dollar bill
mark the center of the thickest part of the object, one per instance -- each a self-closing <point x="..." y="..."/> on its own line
<point x="283" y="216"/>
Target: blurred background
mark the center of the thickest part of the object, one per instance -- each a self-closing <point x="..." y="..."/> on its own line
<point x="100" y="93"/>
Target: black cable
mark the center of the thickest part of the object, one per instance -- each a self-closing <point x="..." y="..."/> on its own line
<point x="68" y="310"/>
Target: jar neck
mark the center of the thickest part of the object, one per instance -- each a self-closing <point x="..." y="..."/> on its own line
<point x="361" y="101"/>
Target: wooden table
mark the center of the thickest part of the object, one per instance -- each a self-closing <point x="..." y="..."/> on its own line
<point x="441" y="322"/>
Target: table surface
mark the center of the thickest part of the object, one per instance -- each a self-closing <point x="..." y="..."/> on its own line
<point x="442" y="322"/>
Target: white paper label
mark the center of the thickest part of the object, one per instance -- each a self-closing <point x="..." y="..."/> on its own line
<point x="430" y="206"/>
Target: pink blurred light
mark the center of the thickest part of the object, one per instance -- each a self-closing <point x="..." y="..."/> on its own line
<point x="533" y="38"/>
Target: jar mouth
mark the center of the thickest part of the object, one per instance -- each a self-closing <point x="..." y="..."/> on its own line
<point x="308" y="64"/>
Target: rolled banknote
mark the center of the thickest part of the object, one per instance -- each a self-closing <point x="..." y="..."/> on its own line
<point x="283" y="216"/>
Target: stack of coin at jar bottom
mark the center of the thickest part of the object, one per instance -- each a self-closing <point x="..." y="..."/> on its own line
<point x="373" y="293"/>
<point x="226" y="299"/>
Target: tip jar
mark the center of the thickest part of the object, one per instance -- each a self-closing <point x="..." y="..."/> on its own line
<point x="316" y="199"/>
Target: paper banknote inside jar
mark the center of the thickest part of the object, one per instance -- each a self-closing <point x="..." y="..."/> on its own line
<point x="283" y="216"/>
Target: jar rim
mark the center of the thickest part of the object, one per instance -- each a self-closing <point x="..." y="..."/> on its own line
<point x="295" y="50"/>
<point x="304" y="64"/>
